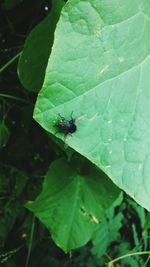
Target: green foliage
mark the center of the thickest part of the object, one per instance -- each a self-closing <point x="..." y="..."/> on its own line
<point x="108" y="230"/>
<point x="57" y="208"/>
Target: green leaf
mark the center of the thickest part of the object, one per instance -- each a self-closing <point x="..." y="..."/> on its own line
<point x="33" y="61"/>
<point x="99" y="68"/>
<point x="72" y="202"/>
<point x="4" y="134"/>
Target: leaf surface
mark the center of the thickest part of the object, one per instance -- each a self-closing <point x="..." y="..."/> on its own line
<point x="99" y="69"/>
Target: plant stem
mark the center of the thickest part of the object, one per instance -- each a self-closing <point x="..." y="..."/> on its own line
<point x="30" y="242"/>
<point x="14" y="97"/>
<point x="146" y="262"/>
<point x="110" y="264"/>
<point x="10" y="62"/>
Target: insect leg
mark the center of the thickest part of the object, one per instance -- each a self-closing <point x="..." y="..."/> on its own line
<point x="72" y="116"/>
<point x="61" y="117"/>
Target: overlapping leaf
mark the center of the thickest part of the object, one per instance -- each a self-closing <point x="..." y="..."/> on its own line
<point x="99" y="68"/>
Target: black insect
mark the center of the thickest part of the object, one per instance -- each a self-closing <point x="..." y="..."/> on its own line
<point x="66" y="126"/>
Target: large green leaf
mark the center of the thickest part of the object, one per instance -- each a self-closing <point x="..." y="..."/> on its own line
<point x="99" y="68"/>
<point x="33" y="60"/>
<point x="73" y="201"/>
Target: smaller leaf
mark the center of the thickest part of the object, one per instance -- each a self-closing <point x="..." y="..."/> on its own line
<point x="73" y="201"/>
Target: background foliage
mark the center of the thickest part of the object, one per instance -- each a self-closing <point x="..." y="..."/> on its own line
<point x="28" y="153"/>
